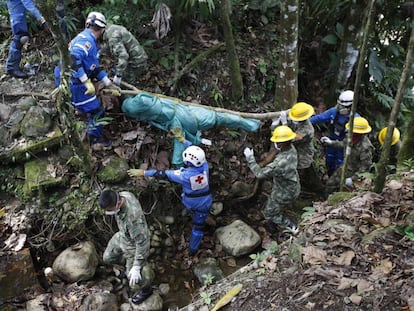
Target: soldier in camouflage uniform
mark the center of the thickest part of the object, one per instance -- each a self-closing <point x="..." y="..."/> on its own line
<point x="129" y="56"/>
<point x="283" y="170"/>
<point x="131" y="244"/>
<point x="360" y="159"/>
<point x="299" y="122"/>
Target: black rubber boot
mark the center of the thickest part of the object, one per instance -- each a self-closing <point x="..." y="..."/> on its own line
<point x="17" y="73"/>
<point x="142" y="295"/>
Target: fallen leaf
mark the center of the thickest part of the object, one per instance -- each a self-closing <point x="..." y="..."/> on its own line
<point x="346" y="283"/>
<point x="356" y="299"/>
<point x="345" y="258"/>
<point x="313" y="255"/>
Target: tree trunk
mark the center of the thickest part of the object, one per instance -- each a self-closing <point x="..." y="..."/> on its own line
<point x="349" y="49"/>
<point x="233" y="59"/>
<point x="286" y="92"/>
<point x="407" y="147"/>
<point x="63" y="101"/>
<point x="360" y="68"/>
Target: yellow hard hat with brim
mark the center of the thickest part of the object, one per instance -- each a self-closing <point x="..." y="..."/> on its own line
<point x="395" y="136"/>
<point x="301" y="111"/>
<point x="282" y="133"/>
<point x="361" y="126"/>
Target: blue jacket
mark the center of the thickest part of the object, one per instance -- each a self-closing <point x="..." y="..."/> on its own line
<point x="196" y="194"/>
<point x="84" y="50"/>
<point x="336" y="122"/>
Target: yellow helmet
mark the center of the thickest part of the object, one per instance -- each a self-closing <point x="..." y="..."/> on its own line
<point x="361" y="125"/>
<point x="301" y="111"/>
<point x="383" y="133"/>
<point x="282" y="133"/>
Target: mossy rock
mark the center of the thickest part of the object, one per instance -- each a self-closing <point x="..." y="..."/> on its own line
<point x="22" y="152"/>
<point x="114" y="170"/>
<point x="38" y="174"/>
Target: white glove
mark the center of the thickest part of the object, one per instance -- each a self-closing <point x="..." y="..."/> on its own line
<point x="248" y="152"/>
<point x="348" y="182"/>
<point x="206" y="141"/>
<point x="326" y="140"/>
<point x="134" y="275"/>
<point x="283" y="117"/>
<point x="105" y="80"/>
<point x="117" y="80"/>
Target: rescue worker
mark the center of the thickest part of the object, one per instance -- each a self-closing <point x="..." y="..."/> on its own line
<point x="395" y="144"/>
<point x="131" y="244"/>
<point x="129" y="56"/>
<point x="283" y="171"/>
<point x="194" y="180"/>
<point x="17" y="10"/>
<point x="336" y="118"/>
<point x="360" y="159"/>
<point x="83" y="50"/>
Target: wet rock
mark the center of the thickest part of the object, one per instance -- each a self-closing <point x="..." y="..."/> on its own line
<point x="38" y="304"/>
<point x="22" y="150"/>
<point x="217" y="208"/>
<point x="18" y="275"/>
<point x="153" y="303"/>
<point x="238" y="238"/>
<point x="41" y="173"/>
<point x="100" y="302"/>
<point x="36" y="123"/>
<point x="207" y="271"/>
<point x="5" y="111"/>
<point x="77" y="262"/>
<point x="114" y="170"/>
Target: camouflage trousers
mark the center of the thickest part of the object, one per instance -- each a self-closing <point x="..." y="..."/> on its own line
<point x="274" y="212"/>
<point x="122" y="252"/>
<point x="132" y="73"/>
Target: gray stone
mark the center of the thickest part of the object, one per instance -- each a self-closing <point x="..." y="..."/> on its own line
<point x="77" y="262"/>
<point x="238" y="238"/>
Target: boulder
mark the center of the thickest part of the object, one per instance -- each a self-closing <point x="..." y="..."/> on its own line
<point x="238" y="238"/>
<point x="77" y="263"/>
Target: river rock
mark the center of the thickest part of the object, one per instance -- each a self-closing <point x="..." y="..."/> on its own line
<point x="103" y="301"/>
<point x="77" y="262"/>
<point x="238" y="238"/>
<point x="208" y="268"/>
<point x="37" y="122"/>
<point x="153" y="303"/>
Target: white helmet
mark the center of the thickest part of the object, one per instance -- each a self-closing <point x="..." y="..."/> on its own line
<point x="195" y="155"/>
<point x="346" y="98"/>
<point x="96" y="19"/>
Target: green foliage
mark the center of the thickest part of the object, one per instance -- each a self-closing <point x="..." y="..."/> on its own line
<point x="208" y="279"/>
<point x="406" y="165"/>
<point x="406" y="230"/>
<point x="206" y="297"/>
<point x="259" y="257"/>
<point x="308" y="211"/>
<point x="334" y="38"/>
<point x="263" y="5"/>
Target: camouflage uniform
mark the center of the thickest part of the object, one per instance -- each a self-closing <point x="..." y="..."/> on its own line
<point x="309" y="179"/>
<point x="130" y="56"/>
<point x="304" y="146"/>
<point x="286" y="186"/>
<point x="360" y="160"/>
<point x="132" y="242"/>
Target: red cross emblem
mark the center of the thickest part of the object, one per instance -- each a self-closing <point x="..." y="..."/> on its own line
<point x="199" y="179"/>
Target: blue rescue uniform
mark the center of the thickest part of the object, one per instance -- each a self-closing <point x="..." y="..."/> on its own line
<point x="17" y="10"/>
<point x="337" y="131"/>
<point x="195" y="195"/>
<point x="84" y="50"/>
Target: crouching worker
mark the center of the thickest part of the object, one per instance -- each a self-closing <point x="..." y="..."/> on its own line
<point x="283" y="171"/>
<point x="194" y="179"/>
<point x="131" y="244"/>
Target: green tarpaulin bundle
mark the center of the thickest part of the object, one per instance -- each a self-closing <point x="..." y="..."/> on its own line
<point x="166" y="114"/>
